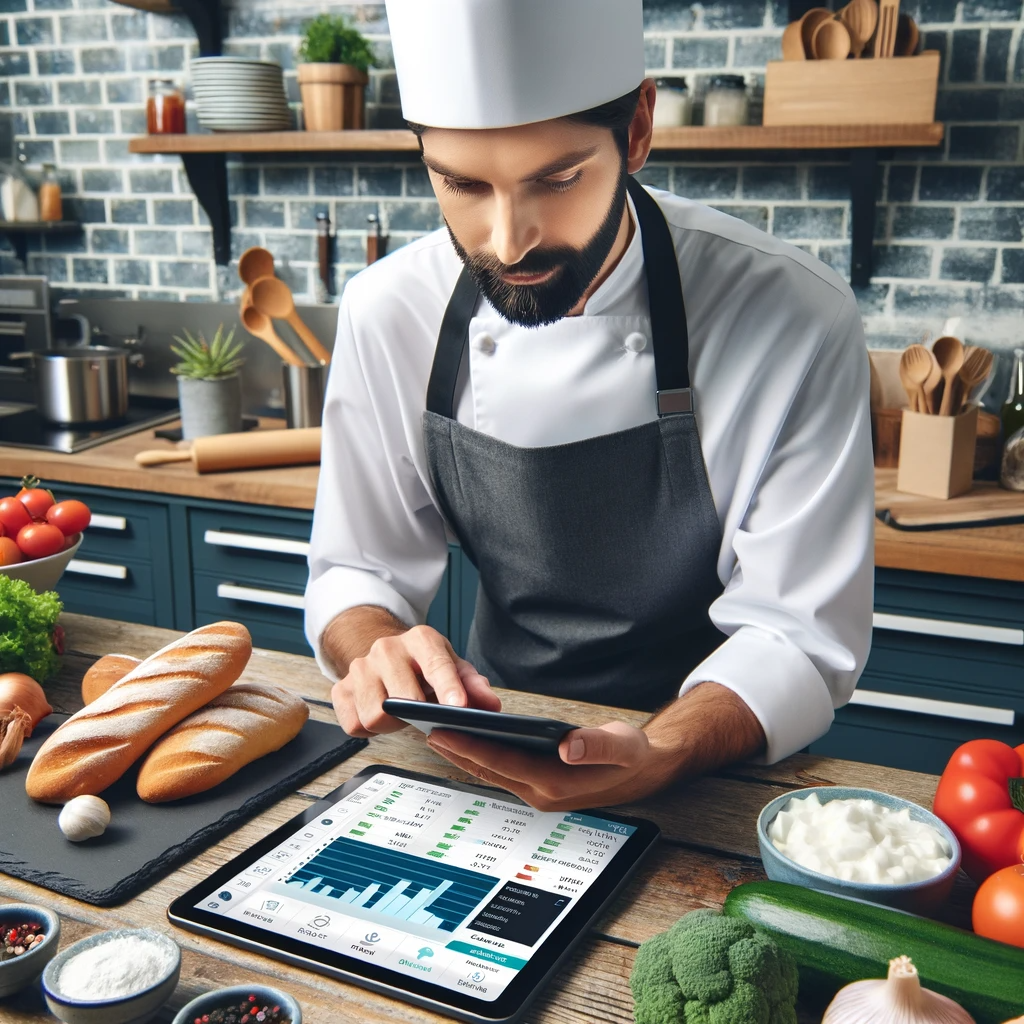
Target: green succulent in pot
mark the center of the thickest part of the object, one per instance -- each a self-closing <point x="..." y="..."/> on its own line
<point x="333" y="60"/>
<point x="209" y="386"/>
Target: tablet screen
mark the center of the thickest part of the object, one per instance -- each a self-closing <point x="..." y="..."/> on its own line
<point x="454" y="887"/>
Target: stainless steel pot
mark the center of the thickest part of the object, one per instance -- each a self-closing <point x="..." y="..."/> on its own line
<point x="81" y="384"/>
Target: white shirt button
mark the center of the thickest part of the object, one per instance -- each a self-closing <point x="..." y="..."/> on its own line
<point x="635" y="342"/>
<point x="484" y="343"/>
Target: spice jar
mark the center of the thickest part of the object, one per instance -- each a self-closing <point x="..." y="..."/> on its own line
<point x="726" y="101"/>
<point x="50" y="205"/>
<point x="165" y="108"/>
<point x="672" y="105"/>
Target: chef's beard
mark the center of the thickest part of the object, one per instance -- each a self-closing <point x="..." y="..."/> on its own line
<point x="575" y="270"/>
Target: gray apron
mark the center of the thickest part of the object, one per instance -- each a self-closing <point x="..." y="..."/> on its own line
<point x="597" y="558"/>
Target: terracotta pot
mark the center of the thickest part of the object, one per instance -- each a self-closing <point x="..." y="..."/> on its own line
<point x="332" y="96"/>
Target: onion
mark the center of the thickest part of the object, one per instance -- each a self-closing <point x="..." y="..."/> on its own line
<point x="20" y="691"/>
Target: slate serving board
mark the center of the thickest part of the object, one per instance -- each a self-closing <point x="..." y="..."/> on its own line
<point x="147" y="841"/>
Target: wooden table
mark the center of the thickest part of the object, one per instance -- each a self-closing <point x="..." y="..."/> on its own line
<point x="709" y="845"/>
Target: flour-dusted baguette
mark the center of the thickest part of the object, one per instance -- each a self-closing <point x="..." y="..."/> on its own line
<point x="245" y="722"/>
<point x="96" y="746"/>
<point x="101" y="675"/>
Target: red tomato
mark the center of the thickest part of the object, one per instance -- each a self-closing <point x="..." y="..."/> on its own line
<point x="70" y="517"/>
<point x="3" y="531"/>
<point x="14" y="516"/>
<point x="39" y="540"/>
<point x="70" y="542"/>
<point x="998" y="911"/>
<point x="37" y="501"/>
<point x="10" y="553"/>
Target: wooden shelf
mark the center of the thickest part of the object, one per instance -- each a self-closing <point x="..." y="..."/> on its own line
<point x="400" y="140"/>
<point x="18" y="232"/>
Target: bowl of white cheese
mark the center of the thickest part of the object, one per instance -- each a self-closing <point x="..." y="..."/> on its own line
<point x="861" y="843"/>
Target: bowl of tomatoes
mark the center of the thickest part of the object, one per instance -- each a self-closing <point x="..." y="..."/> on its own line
<point x="38" y="535"/>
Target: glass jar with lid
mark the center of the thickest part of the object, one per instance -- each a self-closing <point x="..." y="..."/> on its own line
<point x="672" y="106"/>
<point x="165" y="108"/>
<point x="726" y="102"/>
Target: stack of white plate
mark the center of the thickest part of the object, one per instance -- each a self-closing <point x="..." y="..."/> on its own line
<point x="234" y="94"/>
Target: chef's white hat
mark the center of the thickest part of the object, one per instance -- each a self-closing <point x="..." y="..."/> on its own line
<point x="497" y="63"/>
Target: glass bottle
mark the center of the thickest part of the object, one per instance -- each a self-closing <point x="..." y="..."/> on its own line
<point x="672" y="105"/>
<point x="50" y="205"/>
<point x="165" y="108"/>
<point x="1012" y="413"/>
<point x="726" y="101"/>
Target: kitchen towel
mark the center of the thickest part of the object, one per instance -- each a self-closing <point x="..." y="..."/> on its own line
<point x="144" y="841"/>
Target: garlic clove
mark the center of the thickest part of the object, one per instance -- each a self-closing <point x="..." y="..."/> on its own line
<point x="84" y="817"/>
<point x="899" y="999"/>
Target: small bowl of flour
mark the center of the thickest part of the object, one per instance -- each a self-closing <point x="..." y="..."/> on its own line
<point x="117" y="977"/>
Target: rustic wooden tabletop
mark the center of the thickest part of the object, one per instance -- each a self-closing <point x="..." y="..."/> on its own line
<point x="709" y="845"/>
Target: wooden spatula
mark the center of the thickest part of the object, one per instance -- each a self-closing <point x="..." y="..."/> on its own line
<point x="888" y="22"/>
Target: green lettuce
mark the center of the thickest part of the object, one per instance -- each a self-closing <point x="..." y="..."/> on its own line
<point x="28" y="622"/>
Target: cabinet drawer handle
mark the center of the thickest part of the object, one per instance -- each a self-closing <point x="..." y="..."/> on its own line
<point x="939" y="708"/>
<point x="256" y="596"/>
<point x="102" y="522"/>
<point x="105" y="569"/>
<point x="952" y="630"/>
<point x="254" y="542"/>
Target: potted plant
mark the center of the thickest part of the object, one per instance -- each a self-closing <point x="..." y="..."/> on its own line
<point x="209" y="387"/>
<point x="333" y="58"/>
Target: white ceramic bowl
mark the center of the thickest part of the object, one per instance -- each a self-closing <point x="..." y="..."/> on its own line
<point x="15" y="974"/>
<point x="42" y="573"/>
<point x="133" y="1009"/>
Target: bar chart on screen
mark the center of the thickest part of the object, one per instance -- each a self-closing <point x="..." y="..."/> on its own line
<point x="373" y="882"/>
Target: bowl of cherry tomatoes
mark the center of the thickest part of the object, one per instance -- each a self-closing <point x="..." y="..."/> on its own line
<point x="38" y="535"/>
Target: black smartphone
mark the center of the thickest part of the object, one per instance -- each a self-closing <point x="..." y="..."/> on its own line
<point x="541" y="735"/>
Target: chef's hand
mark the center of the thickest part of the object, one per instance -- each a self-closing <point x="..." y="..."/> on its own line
<point x="617" y="763"/>
<point x="415" y="664"/>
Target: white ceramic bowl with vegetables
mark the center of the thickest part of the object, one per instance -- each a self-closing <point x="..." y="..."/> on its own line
<point x="860" y="843"/>
<point x="42" y="574"/>
<point x="122" y="976"/>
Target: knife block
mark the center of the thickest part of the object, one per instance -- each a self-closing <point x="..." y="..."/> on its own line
<point x="937" y="453"/>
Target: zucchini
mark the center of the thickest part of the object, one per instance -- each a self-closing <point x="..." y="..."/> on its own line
<point x="837" y="939"/>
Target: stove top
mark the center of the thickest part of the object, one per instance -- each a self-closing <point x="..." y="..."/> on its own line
<point x="22" y="427"/>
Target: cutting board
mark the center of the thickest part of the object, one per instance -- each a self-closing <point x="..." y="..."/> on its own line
<point x="987" y="504"/>
<point x="144" y="841"/>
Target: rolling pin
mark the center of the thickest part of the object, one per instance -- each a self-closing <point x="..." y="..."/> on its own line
<point x="250" y="450"/>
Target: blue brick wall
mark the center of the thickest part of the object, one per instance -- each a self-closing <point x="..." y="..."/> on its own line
<point x="949" y="231"/>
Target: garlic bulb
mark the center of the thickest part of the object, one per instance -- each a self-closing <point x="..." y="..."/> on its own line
<point x="84" y="817"/>
<point x="897" y="1000"/>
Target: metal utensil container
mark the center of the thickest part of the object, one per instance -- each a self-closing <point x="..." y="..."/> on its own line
<point x="85" y="384"/>
<point x="303" y="394"/>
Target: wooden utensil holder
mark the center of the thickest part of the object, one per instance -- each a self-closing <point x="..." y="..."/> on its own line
<point x="900" y="90"/>
<point x="937" y="453"/>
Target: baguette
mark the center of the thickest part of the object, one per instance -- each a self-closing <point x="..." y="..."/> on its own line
<point x="245" y="722"/>
<point x="96" y="746"/>
<point x="101" y="675"/>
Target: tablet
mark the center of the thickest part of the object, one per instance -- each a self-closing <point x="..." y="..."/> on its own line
<point x="541" y="735"/>
<point x="455" y="897"/>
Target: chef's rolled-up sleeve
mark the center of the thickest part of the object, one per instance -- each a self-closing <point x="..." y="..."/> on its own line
<point x="797" y="606"/>
<point x="377" y="538"/>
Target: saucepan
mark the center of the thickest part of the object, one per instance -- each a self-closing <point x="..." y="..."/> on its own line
<point x="81" y="383"/>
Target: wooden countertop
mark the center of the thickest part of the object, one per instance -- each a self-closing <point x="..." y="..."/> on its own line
<point x="994" y="552"/>
<point x="709" y="845"/>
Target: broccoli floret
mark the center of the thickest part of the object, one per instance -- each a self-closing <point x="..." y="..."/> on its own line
<point x="710" y="969"/>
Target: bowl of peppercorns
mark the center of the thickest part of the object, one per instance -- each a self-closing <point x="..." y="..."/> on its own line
<point x="29" y="937"/>
<point x="241" y="1004"/>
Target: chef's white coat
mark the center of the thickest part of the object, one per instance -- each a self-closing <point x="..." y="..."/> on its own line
<point x="779" y="370"/>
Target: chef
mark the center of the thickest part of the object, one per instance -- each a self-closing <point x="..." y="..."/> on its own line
<point x="646" y="422"/>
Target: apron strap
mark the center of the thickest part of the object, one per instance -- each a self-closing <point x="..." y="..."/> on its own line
<point x="670" y="338"/>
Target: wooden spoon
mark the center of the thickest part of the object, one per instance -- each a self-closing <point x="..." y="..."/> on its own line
<point x="915" y="365"/>
<point x="861" y="19"/>
<point x="931" y="388"/>
<point x="977" y="366"/>
<point x="274" y="298"/>
<point x="253" y="264"/>
<point x="263" y="328"/>
<point x="949" y="354"/>
<point x="792" y="43"/>
<point x="907" y="36"/>
<point x="831" y="41"/>
<point x="808" y="24"/>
